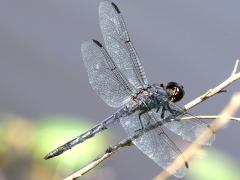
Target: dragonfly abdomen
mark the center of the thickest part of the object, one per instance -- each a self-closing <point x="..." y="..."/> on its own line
<point x="83" y="137"/>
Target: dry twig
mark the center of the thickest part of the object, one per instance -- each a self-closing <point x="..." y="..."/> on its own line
<point x="208" y="117"/>
<point x="194" y="148"/>
<point x="127" y="142"/>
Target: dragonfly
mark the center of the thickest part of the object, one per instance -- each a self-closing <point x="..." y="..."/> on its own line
<point x="117" y="76"/>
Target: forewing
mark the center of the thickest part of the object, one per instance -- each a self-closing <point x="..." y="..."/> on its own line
<point x="188" y="129"/>
<point x="104" y="76"/>
<point x="119" y="45"/>
<point x="155" y="143"/>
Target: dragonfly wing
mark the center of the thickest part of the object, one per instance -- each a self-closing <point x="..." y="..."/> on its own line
<point x="188" y="129"/>
<point x="119" y="45"/>
<point x="104" y="76"/>
<point x="155" y="143"/>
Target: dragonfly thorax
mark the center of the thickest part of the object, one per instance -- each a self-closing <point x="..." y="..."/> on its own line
<point x="155" y="95"/>
<point x="150" y="97"/>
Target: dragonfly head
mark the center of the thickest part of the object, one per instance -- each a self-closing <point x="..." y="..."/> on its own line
<point x="175" y="91"/>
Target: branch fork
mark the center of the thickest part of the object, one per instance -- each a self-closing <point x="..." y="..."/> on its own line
<point x="225" y="117"/>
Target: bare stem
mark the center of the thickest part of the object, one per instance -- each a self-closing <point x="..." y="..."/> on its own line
<point x="127" y="142"/>
<point x="219" y="88"/>
<point x="209" y="117"/>
<point x="109" y="152"/>
<point x="194" y="148"/>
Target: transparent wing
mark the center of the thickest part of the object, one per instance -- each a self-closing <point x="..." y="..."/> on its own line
<point x="155" y="143"/>
<point x="118" y="44"/>
<point x="188" y="129"/>
<point x="104" y="76"/>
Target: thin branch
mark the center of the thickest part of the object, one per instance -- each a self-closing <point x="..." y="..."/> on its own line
<point x="211" y="92"/>
<point x="109" y="152"/>
<point x="235" y="67"/>
<point x="128" y="142"/>
<point x="209" y="117"/>
<point x="194" y="148"/>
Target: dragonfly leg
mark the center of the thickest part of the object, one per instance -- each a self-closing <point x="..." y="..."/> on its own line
<point x="173" y="111"/>
<point x="163" y="112"/>
<point x="163" y="109"/>
<point x="140" y="120"/>
<point x="139" y="117"/>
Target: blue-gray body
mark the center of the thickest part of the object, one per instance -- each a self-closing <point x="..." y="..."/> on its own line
<point x="152" y="97"/>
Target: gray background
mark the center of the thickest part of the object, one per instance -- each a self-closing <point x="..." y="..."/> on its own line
<point x="195" y="43"/>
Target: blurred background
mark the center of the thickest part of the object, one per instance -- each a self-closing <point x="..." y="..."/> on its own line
<point x="45" y="97"/>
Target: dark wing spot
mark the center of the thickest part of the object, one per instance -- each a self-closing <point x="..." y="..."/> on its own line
<point x="116" y="8"/>
<point x="98" y="43"/>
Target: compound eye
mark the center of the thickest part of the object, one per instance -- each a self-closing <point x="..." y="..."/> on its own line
<point x="175" y="91"/>
<point x="178" y="94"/>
